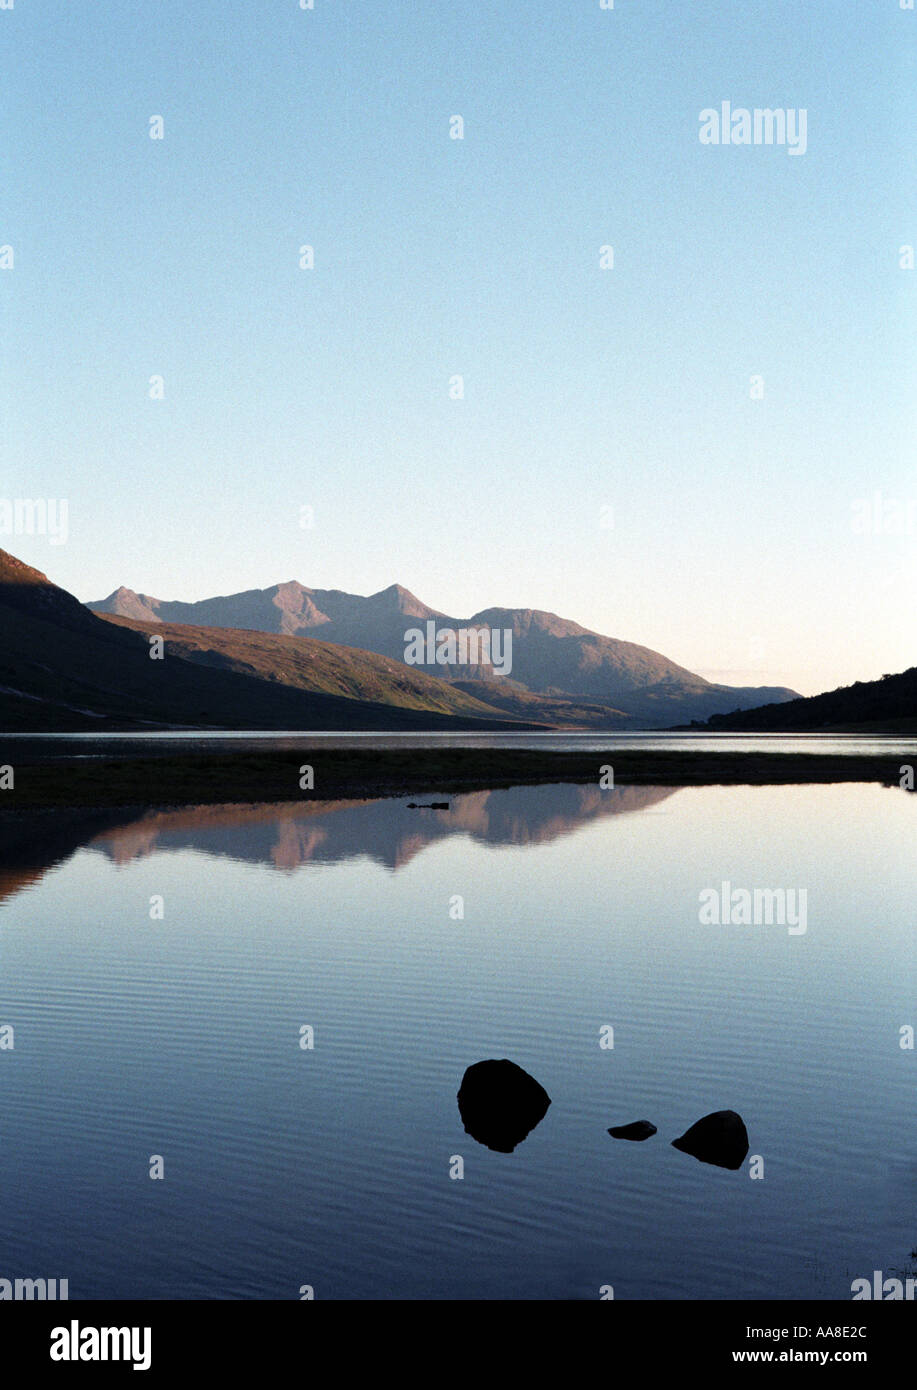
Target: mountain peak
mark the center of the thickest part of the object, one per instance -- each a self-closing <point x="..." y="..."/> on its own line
<point x="30" y="592"/>
<point x="397" y="597"/>
<point x="128" y="603"/>
<point x="13" y="571"/>
<point x="395" y="591"/>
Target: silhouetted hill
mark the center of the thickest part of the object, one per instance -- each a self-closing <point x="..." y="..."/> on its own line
<point x="886" y="705"/>
<point x="551" y="656"/>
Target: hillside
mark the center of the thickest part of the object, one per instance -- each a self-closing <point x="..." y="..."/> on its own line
<point x="307" y="664"/>
<point x="514" y="700"/>
<point x="888" y="705"/>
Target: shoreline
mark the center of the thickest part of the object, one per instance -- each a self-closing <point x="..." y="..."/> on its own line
<point x="211" y="778"/>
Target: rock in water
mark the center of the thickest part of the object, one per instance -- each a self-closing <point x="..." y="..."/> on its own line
<point x="500" y="1104"/>
<point x="719" y="1138"/>
<point x="640" y="1129"/>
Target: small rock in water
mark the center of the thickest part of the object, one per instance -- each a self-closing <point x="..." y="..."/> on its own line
<point x="640" y="1129"/>
<point x="500" y="1104"/>
<point x="719" y="1138"/>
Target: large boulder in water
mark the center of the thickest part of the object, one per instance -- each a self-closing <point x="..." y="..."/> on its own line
<point x="640" y="1129"/>
<point x="500" y="1104"/>
<point x="720" y="1138"/>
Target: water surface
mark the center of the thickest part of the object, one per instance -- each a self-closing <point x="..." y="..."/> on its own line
<point x="177" y="742"/>
<point x="287" y="1167"/>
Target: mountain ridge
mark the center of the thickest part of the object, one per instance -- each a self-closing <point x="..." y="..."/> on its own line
<point x="553" y="657"/>
<point x="64" y="667"/>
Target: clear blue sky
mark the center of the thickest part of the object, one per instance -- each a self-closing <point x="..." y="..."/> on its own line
<point x="732" y="549"/>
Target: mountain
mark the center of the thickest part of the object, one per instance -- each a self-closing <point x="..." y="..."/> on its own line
<point x="621" y="683"/>
<point x="305" y="663"/>
<point x="64" y="668"/>
<point x="375" y="623"/>
<point x="888" y="705"/>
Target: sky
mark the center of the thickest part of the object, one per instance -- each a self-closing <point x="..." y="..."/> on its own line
<point x="612" y="458"/>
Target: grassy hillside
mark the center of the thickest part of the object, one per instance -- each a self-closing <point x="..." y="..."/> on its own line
<point x="519" y="703"/>
<point x="305" y="663"/>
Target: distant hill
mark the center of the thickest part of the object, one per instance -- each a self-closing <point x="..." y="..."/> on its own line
<point x="553" y="657"/>
<point x="64" y="668"/>
<point x="888" y="705"/>
<point x="519" y="703"/>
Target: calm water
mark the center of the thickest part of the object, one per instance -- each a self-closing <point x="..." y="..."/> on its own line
<point x="172" y="743"/>
<point x="286" y="1167"/>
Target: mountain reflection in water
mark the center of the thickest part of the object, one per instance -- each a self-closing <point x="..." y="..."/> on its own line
<point x="289" y="835"/>
<point x="162" y="971"/>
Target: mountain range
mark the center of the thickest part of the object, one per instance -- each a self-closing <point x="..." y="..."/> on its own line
<point x="292" y="658"/>
<point x="63" y="668"/>
<point x="561" y="672"/>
